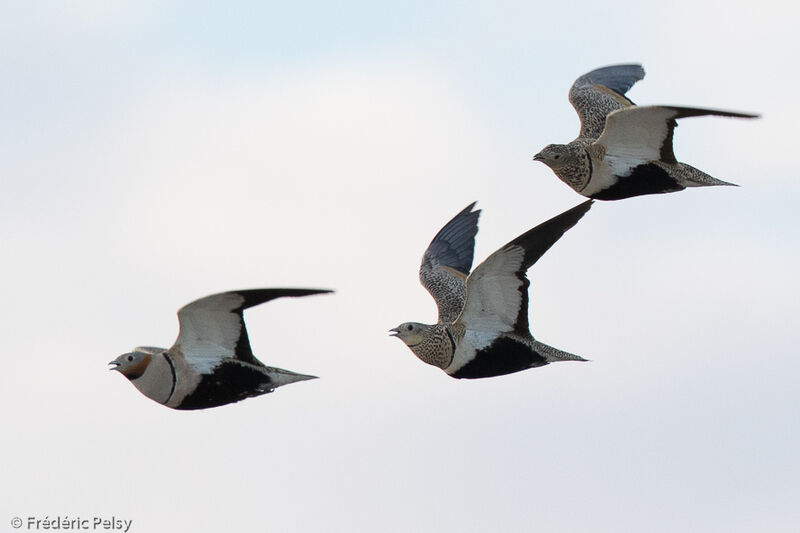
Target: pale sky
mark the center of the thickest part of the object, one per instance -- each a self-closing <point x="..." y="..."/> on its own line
<point x="155" y="152"/>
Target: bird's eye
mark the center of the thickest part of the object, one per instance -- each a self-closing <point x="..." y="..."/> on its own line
<point x="556" y="156"/>
<point x="409" y="327"/>
<point x="130" y="358"/>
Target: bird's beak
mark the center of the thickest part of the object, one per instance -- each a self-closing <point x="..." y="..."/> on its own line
<point x="394" y="332"/>
<point x="538" y="157"/>
<point x="115" y="367"/>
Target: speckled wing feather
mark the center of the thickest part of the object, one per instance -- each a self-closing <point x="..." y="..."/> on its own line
<point x="601" y="91"/>
<point x="639" y="134"/>
<point x="213" y="327"/>
<point x="447" y="262"/>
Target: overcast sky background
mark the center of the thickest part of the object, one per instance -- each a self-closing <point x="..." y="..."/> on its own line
<point x="155" y="152"/>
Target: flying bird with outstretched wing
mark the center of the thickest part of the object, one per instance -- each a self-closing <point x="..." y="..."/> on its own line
<point x="211" y="362"/>
<point x="483" y="326"/>
<point x="624" y="150"/>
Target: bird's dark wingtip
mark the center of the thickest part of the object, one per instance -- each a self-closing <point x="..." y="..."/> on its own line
<point x="311" y="292"/>
<point x="469" y="208"/>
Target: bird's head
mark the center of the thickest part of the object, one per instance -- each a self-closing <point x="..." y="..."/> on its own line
<point x="411" y="333"/>
<point x="555" y="156"/>
<point x="131" y="365"/>
<point x="568" y="161"/>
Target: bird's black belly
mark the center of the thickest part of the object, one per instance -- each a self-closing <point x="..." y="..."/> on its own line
<point x="230" y="382"/>
<point x="645" y="179"/>
<point x="503" y="356"/>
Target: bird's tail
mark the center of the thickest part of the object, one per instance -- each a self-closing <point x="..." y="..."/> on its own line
<point x="688" y="176"/>
<point x="281" y="377"/>
<point x="553" y="355"/>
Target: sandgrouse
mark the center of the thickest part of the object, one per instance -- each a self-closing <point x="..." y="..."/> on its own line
<point x="483" y="316"/>
<point x="624" y="150"/>
<point x="211" y="363"/>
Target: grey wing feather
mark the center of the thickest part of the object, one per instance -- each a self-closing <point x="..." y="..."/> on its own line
<point x="447" y="262"/>
<point x="645" y="133"/>
<point x="618" y="78"/>
<point x="152" y="350"/>
<point x="498" y="288"/>
<point x="214" y="327"/>
<point x="601" y="91"/>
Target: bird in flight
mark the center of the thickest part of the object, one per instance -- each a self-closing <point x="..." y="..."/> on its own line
<point x="483" y="328"/>
<point x="624" y="150"/>
<point x="211" y="362"/>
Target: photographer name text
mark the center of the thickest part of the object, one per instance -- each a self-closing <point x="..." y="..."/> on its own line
<point x="66" y="523"/>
